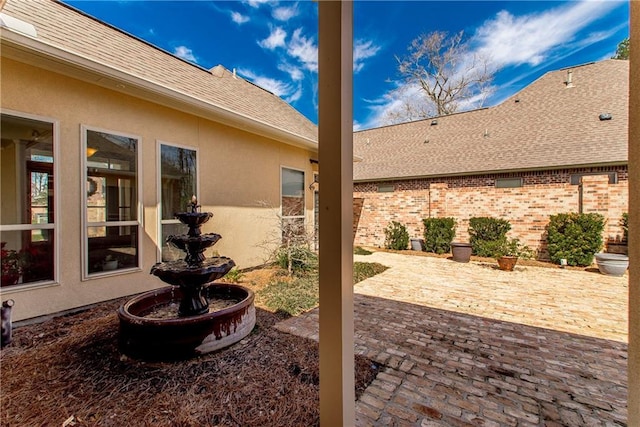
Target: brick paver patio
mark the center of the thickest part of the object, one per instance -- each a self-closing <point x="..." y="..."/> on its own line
<point x="467" y="344"/>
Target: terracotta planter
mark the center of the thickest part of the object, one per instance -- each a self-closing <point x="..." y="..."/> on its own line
<point x="461" y="251"/>
<point x="507" y="263"/>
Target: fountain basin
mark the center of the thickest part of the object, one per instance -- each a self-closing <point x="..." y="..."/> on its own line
<point x="181" y="338"/>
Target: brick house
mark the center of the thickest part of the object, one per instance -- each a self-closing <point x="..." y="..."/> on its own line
<point x="558" y="145"/>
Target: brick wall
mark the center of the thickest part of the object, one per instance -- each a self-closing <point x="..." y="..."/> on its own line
<point x="527" y="208"/>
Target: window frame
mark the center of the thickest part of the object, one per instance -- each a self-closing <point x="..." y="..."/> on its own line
<point x="138" y="222"/>
<point x="161" y="222"/>
<point x="304" y="198"/>
<point x="55" y="226"/>
<point x="505" y="182"/>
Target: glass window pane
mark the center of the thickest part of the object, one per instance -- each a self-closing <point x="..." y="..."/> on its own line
<point x="111" y="177"/>
<point x="26" y="171"/>
<point x="292" y="193"/>
<point x="113" y="248"/>
<point x="178" y="179"/>
<point x="27" y="256"/>
<point x="170" y="252"/>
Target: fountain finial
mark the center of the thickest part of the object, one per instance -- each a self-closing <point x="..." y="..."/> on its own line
<point x="194" y="204"/>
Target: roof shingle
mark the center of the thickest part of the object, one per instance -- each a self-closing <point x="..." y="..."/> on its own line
<point x="544" y="126"/>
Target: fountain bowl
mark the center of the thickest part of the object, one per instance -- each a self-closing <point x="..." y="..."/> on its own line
<point x="182" y="338"/>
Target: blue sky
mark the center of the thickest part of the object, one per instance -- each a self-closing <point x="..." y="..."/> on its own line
<point x="274" y="43"/>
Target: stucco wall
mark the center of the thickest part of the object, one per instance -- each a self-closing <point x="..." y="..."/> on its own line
<point x="239" y="181"/>
<point x="527" y="208"/>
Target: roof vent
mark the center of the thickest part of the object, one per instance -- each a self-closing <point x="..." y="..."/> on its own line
<point x="434" y="122"/>
<point x="17" y="25"/>
<point x="569" y="81"/>
<point x="605" y="116"/>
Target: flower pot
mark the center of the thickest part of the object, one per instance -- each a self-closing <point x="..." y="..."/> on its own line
<point x="507" y="263"/>
<point x="461" y="251"/>
<point x="109" y="265"/>
<point x="10" y="279"/>
<point x="417" y="244"/>
<point x="612" y="264"/>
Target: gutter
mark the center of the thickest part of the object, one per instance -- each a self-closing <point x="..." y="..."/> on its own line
<point x="490" y="172"/>
<point x="171" y="96"/>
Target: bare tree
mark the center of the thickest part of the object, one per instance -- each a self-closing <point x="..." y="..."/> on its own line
<point x="447" y="73"/>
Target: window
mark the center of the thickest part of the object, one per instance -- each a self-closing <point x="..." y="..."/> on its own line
<point x="27" y="209"/>
<point x="508" y="182"/>
<point x="111" y="203"/>
<point x="292" y="203"/>
<point x="178" y="183"/>
<point x="386" y="188"/>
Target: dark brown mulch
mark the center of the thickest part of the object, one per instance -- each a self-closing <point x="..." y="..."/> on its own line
<point x="68" y="371"/>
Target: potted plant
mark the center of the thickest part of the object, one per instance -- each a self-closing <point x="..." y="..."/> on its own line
<point x="109" y="263"/>
<point x="508" y="252"/>
<point x="12" y="265"/>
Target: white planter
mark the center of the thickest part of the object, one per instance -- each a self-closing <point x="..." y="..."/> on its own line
<point x="109" y="265"/>
<point x="612" y="264"/>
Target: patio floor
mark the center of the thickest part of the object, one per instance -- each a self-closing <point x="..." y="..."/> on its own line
<point x="468" y="344"/>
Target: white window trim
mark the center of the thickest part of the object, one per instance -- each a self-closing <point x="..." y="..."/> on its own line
<point x="160" y="221"/>
<point x="84" y="244"/>
<point x="304" y="195"/>
<point x="56" y="206"/>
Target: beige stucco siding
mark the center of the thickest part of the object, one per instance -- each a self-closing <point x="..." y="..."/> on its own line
<point x="239" y="180"/>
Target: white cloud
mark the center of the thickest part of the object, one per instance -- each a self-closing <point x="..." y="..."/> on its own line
<point x="239" y="18"/>
<point x="277" y="87"/>
<point x="294" y="72"/>
<point x="303" y="49"/>
<point x="256" y="3"/>
<point x="184" y="53"/>
<point x="530" y="39"/>
<point x="294" y="96"/>
<point x="284" y="13"/>
<point x="363" y="49"/>
<point x="533" y="40"/>
<point x="275" y="39"/>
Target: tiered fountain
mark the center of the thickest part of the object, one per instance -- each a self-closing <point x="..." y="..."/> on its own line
<point x="195" y="315"/>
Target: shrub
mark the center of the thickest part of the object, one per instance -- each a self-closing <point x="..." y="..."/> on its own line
<point x="575" y="237"/>
<point x="438" y="234"/>
<point x="396" y="236"/>
<point x="624" y="223"/>
<point x="234" y="275"/>
<point x="358" y="250"/>
<point x="513" y="247"/>
<point x="296" y="259"/>
<point x="487" y="235"/>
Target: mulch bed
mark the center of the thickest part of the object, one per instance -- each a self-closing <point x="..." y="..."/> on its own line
<point x="68" y="371"/>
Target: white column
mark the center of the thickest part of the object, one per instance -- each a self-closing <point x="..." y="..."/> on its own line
<point x="634" y="219"/>
<point x="335" y="138"/>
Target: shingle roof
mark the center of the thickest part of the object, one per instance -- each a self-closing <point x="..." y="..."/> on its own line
<point x="66" y="28"/>
<point x="546" y="125"/>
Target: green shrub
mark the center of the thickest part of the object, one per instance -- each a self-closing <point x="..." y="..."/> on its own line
<point x="438" y="234"/>
<point x="575" y="237"/>
<point x="513" y="247"/>
<point x="396" y="236"/>
<point x="358" y="250"/>
<point x="234" y="275"/>
<point x="296" y="258"/>
<point x="624" y="222"/>
<point x="487" y="235"/>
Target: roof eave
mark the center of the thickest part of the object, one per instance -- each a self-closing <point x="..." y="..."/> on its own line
<point x="39" y="51"/>
<point x="492" y="172"/>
